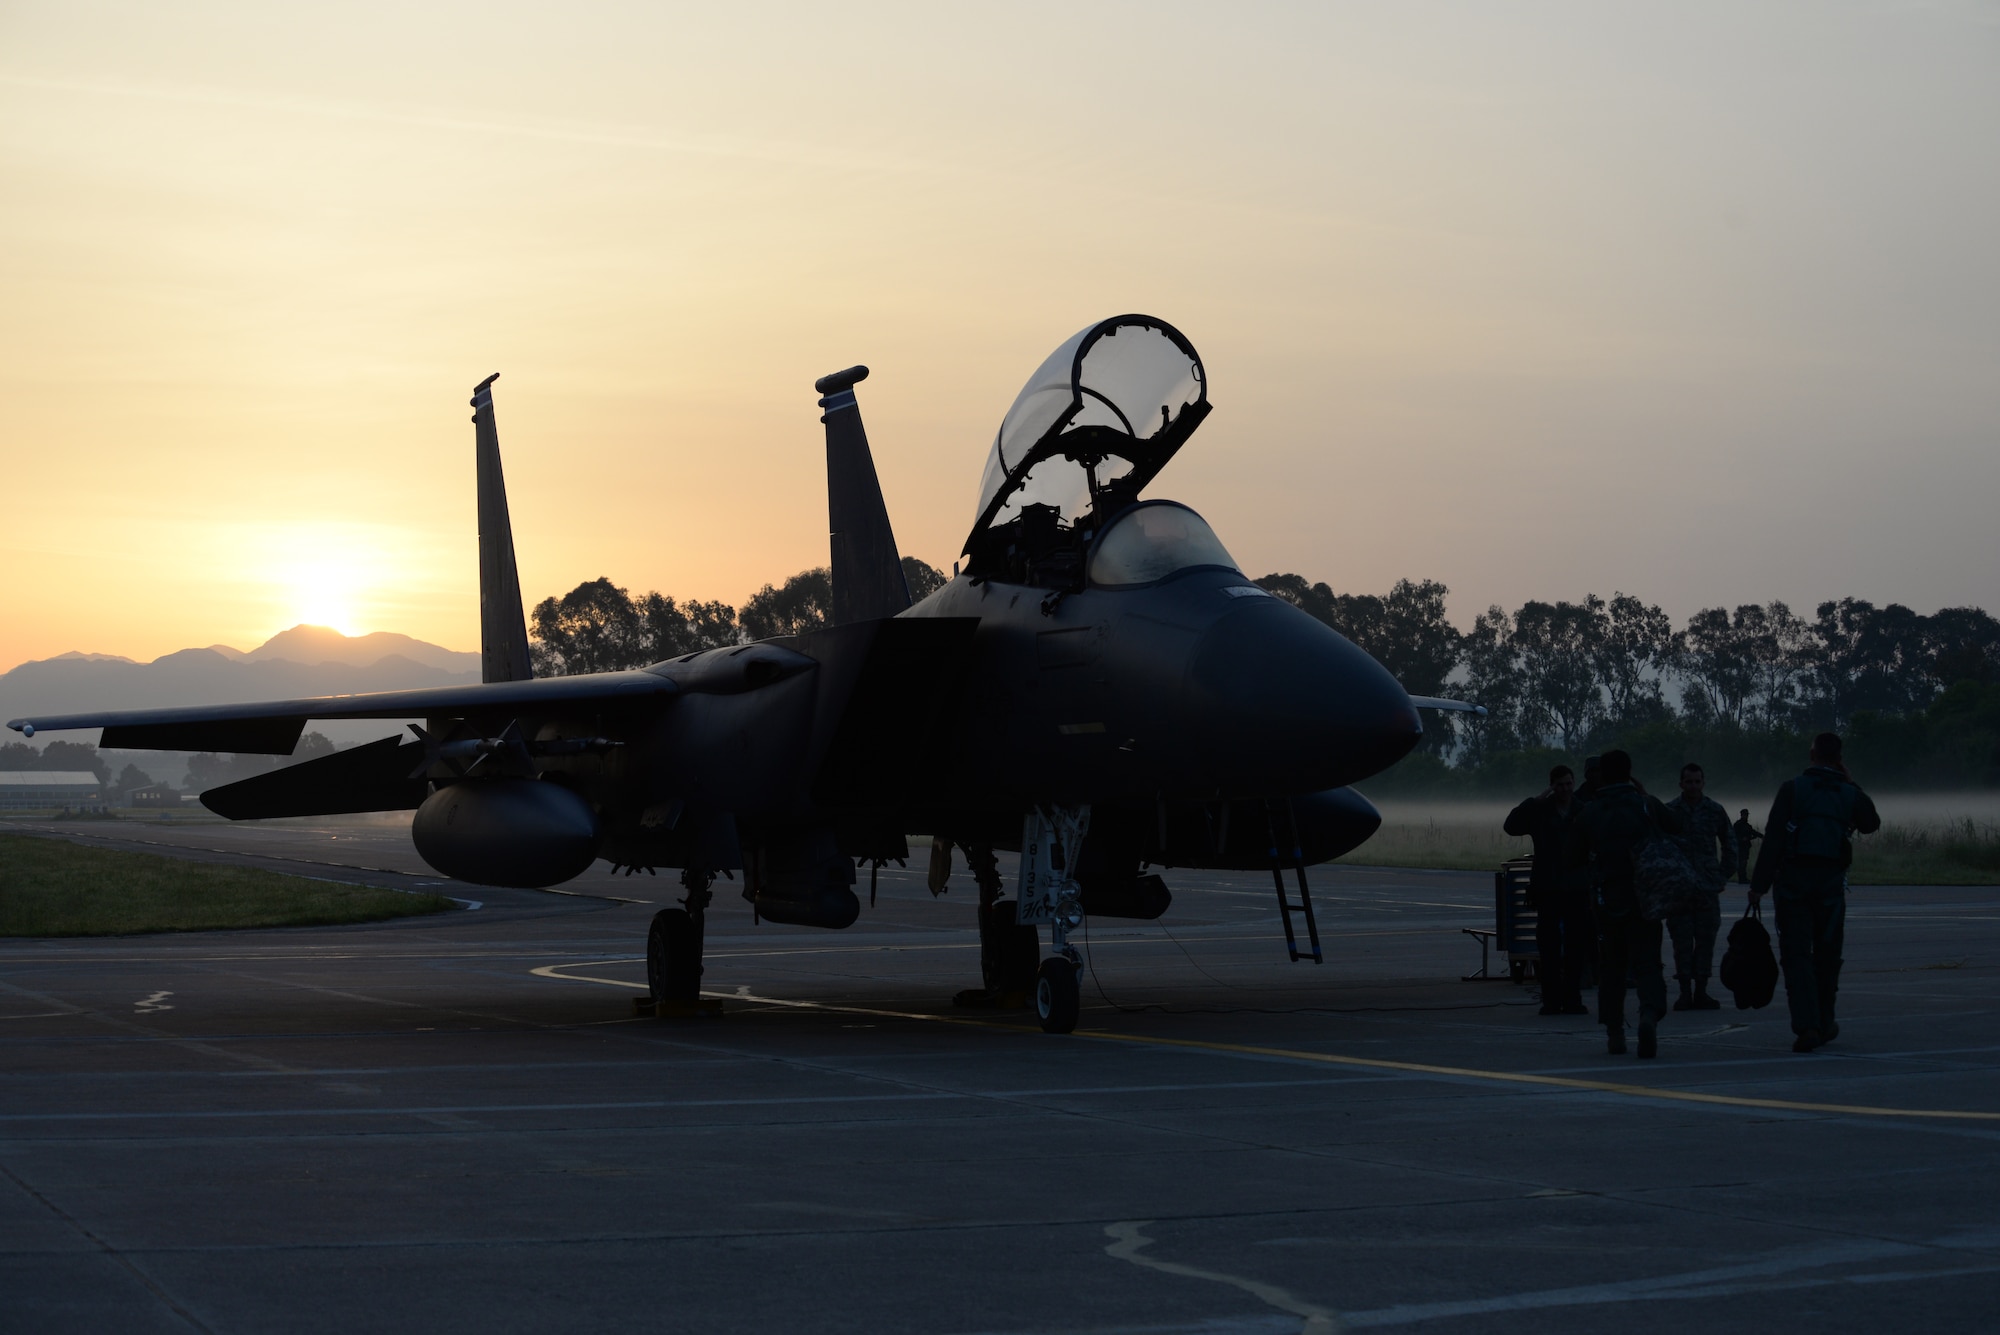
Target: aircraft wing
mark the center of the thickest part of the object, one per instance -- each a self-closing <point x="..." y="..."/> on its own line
<point x="273" y="727"/>
<point x="1448" y="706"/>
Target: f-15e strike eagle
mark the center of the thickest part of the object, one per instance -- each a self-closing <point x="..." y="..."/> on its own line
<point x="1099" y="690"/>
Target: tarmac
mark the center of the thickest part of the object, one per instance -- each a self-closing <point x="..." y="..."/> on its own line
<point x="458" y="1123"/>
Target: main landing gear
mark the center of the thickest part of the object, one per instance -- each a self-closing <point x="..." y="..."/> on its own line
<point x="673" y="954"/>
<point x="1007" y="948"/>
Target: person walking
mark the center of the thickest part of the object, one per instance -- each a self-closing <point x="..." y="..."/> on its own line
<point x="1710" y="845"/>
<point x="1608" y="830"/>
<point x="1746" y="835"/>
<point x="1563" y="930"/>
<point x="1803" y="864"/>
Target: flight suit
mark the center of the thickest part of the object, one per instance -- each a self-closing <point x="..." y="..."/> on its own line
<point x="1707" y="830"/>
<point x="1564" y="933"/>
<point x="1804" y="864"/>
<point x="1609" y="827"/>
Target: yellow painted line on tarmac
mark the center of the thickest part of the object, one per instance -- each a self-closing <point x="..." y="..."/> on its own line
<point x="1551" y="1081"/>
<point x="1363" y="1063"/>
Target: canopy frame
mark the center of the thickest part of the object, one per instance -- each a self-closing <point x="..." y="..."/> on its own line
<point x="1090" y="445"/>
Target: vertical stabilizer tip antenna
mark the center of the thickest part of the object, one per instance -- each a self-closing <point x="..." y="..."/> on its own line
<point x="839" y="380"/>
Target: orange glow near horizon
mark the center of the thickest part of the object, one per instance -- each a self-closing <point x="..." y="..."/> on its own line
<point x="1700" y="305"/>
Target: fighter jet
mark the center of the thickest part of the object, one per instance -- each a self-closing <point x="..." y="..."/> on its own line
<point x="1099" y="690"/>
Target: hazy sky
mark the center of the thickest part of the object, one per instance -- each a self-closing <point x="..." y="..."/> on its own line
<point x="1701" y="302"/>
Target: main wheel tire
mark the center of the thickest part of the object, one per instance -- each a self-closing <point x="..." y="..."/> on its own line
<point x="673" y="957"/>
<point x="1056" y="996"/>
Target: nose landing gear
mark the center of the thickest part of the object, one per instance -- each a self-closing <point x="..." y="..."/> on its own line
<point x="1057" y="995"/>
<point x="1051" y="838"/>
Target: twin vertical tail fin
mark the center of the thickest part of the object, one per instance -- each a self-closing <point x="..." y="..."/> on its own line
<point x="503" y="630"/>
<point x="868" y="578"/>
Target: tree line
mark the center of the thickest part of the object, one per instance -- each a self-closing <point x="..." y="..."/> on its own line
<point x="599" y="627"/>
<point x="1919" y="695"/>
<point x="1738" y="688"/>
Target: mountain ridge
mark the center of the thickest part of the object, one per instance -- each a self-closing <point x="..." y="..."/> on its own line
<point x="342" y="664"/>
<point x="304" y="644"/>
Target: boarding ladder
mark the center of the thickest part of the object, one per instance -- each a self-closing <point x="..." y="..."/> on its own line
<point x="1286" y="908"/>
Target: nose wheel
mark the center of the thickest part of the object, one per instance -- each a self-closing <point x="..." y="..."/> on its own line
<point x="1057" y="995"/>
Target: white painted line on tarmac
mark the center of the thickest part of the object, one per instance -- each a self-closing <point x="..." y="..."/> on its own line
<point x="1129" y="1242"/>
<point x="1718" y="1282"/>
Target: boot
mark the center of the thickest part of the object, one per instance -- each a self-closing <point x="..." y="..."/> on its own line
<point x="1685" y="1002"/>
<point x="1614" y="1040"/>
<point x="1807" y="1040"/>
<point x="1649" y="1034"/>
<point x="1702" y="1001"/>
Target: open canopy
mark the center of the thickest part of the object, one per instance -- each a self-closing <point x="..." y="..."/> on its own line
<point x="1096" y="421"/>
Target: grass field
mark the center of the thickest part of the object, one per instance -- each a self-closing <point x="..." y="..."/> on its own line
<point x="51" y="887"/>
<point x="1943" y="850"/>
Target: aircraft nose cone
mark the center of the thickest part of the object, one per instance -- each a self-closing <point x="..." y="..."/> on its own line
<point x="1287" y="704"/>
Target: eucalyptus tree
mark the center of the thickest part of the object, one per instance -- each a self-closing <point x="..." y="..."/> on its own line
<point x="1637" y="647"/>
<point x="802" y="603"/>
<point x="1559" y="645"/>
<point x="1492" y="678"/>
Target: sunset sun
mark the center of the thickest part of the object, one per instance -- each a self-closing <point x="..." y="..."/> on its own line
<point x="320" y="591"/>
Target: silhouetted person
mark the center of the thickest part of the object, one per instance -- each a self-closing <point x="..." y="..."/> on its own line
<point x="1711" y="846"/>
<point x="1593" y="779"/>
<point x="1558" y="890"/>
<point x="1746" y="835"/>
<point x="1804" y="861"/>
<point x="1608" y="829"/>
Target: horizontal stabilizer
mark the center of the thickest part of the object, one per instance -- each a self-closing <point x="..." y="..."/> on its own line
<point x="272" y="727"/>
<point x="375" y="777"/>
